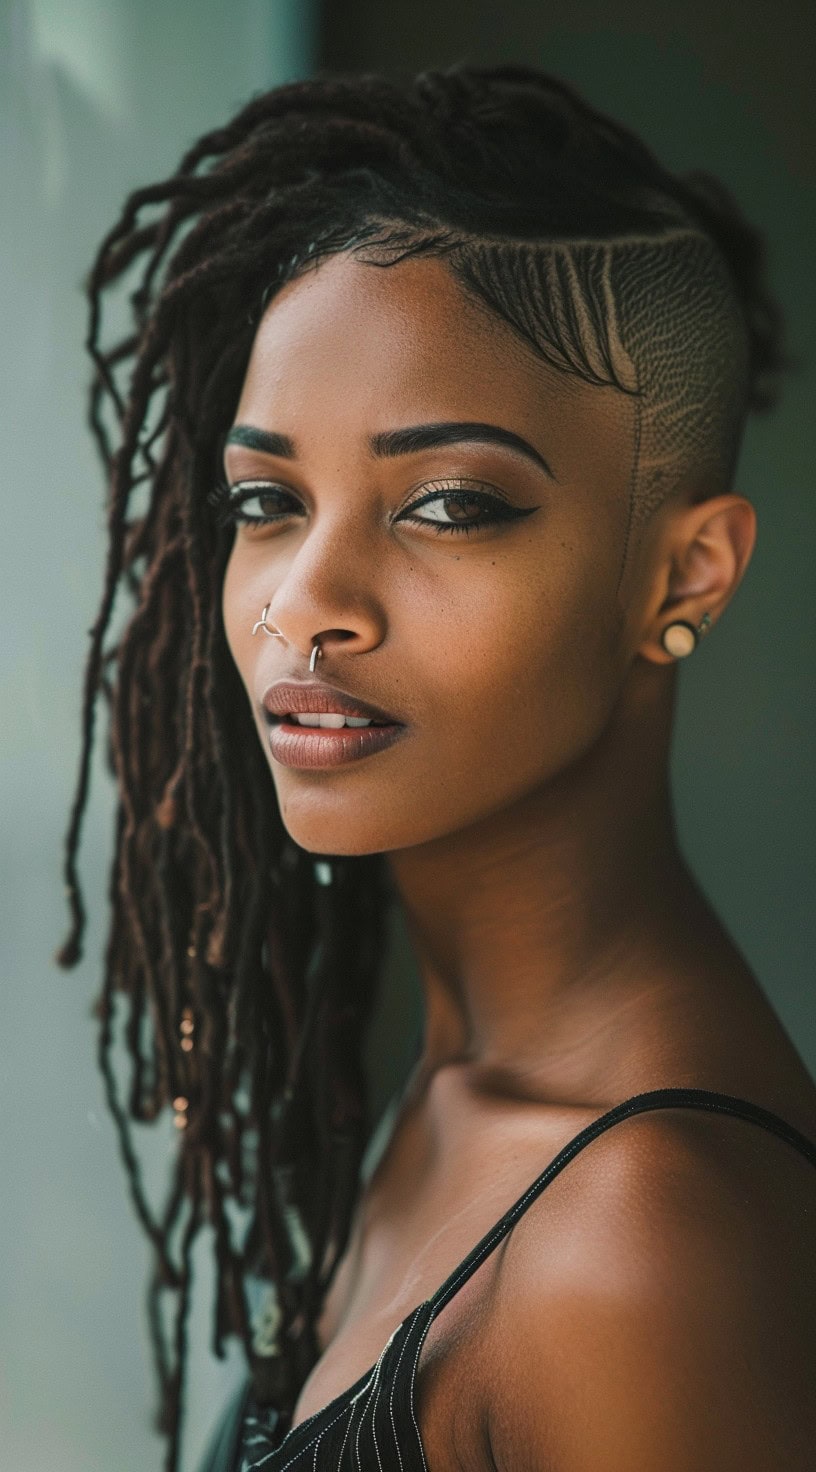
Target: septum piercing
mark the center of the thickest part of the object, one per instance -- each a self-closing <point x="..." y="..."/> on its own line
<point x="276" y="634"/>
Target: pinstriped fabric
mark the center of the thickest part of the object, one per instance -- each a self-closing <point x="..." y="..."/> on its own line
<point x="372" y="1426"/>
<point x="363" y="1428"/>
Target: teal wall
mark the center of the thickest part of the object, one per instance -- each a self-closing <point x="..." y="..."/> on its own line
<point x="96" y="97"/>
<point x="731" y="90"/>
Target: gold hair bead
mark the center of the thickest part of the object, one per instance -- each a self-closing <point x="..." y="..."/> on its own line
<point x="187" y="1028"/>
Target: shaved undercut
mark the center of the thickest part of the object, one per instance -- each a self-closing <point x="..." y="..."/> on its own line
<point x="656" y="317"/>
<point x="562" y="223"/>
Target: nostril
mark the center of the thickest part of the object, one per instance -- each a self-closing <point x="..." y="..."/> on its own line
<point x="338" y="636"/>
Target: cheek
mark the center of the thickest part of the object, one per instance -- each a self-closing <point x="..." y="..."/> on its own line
<point x="241" y="606"/>
<point x="529" y="659"/>
<point x="506" y="668"/>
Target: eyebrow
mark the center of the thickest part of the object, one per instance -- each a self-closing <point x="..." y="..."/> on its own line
<point x="393" y="442"/>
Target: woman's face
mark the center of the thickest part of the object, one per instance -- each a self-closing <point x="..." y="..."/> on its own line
<point x="501" y="649"/>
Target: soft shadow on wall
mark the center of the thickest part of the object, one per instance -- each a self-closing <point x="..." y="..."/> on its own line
<point x="97" y="97"/>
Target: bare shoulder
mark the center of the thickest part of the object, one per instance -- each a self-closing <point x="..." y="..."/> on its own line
<point x="655" y="1310"/>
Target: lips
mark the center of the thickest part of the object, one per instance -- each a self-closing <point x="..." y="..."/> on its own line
<point x="317" y="747"/>
<point x="294" y="697"/>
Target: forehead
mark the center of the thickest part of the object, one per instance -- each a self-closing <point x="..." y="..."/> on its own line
<point x="351" y="348"/>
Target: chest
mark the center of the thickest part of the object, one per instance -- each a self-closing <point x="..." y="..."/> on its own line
<point x="430" y="1370"/>
<point x="420" y="1216"/>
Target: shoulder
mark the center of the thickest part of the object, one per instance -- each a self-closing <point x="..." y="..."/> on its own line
<point x="656" y="1307"/>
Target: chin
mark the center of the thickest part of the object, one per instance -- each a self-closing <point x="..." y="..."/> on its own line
<point x="322" y="825"/>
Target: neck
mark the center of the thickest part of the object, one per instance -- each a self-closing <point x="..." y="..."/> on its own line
<point x="537" y="930"/>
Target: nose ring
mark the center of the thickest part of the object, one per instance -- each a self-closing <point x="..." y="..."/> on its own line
<point x="262" y="624"/>
<point x="276" y="634"/>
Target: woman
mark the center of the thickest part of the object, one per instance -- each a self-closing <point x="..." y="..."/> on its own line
<point x="435" y="390"/>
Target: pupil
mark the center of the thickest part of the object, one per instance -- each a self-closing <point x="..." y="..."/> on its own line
<point x="459" y="510"/>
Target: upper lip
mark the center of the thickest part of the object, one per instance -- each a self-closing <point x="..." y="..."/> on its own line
<point x="290" y="697"/>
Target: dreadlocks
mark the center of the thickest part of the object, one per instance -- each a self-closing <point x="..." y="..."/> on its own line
<point x="239" y="973"/>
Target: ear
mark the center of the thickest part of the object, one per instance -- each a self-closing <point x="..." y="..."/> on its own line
<point x="701" y="556"/>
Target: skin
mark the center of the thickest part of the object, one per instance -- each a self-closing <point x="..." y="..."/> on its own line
<point x="568" y="958"/>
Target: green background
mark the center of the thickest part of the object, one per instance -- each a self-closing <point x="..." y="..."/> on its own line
<point x="96" y="97"/>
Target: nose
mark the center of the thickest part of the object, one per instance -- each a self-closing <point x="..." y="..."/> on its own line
<point x="324" y="601"/>
<point x="278" y="634"/>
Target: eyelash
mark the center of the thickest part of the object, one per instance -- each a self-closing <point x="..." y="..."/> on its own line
<point x="227" y="501"/>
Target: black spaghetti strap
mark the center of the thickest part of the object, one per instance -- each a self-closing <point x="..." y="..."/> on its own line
<point x="637" y="1104"/>
<point x="374" y="1422"/>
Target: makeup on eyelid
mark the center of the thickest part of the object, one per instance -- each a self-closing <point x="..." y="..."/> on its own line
<point x="495" y="507"/>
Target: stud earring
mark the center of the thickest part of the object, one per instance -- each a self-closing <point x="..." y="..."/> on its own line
<point x="680" y="638"/>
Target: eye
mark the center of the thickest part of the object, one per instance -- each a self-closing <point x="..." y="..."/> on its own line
<point x="451" y="507"/>
<point x="252" y="503"/>
<point x="458" y="508"/>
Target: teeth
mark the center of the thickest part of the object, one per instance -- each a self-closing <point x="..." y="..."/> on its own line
<point x="330" y="720"/>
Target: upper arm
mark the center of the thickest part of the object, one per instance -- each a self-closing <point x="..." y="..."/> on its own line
<point x="660" y="1315"/>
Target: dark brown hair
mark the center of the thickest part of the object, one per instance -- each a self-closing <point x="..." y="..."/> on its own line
<point x="237" y="979"/>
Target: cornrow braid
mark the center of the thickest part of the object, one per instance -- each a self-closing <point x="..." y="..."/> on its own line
<point x="240" y="973"/>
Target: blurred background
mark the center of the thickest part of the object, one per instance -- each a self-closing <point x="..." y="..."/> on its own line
<point x="96" y="98"/>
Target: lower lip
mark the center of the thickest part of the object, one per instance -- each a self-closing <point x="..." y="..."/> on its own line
<point x="322" y="746"/>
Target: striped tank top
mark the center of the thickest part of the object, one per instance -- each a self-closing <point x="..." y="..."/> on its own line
<point x="373" y="1423"/>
